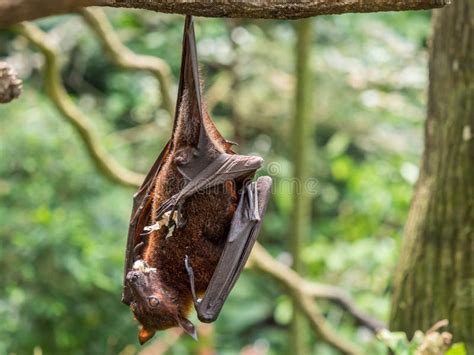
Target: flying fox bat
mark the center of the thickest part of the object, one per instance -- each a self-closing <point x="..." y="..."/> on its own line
<point x="195" y="218"/>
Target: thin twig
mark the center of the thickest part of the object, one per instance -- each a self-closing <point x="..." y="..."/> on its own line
<point x="134" y="134"/>
<point x="341" y="298"/>
<point x="125" y="58"/>
<point x="55" y="89"/>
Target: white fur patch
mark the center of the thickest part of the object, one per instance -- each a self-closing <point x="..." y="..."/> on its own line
<point x="142" y="266"/>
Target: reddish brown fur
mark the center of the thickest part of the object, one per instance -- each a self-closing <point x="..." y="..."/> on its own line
<point x="207" y="218"/>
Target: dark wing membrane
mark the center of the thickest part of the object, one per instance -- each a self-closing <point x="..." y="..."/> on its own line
<point x="204" y="175"/>
<point x="242" y="236"/>
<point x="189" y="78"/>
<point x="141" y="217"/>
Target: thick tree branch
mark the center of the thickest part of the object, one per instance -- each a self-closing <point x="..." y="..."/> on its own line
<point x="302" y="291"/>
<point x="126" y="59"/>
<point x="55" y="89"/>
<point x="14" y="11"/>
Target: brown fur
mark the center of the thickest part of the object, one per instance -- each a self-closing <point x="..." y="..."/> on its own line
<point x="207" y="218"/>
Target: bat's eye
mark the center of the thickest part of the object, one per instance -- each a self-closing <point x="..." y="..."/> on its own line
<point x="153" y="301"/>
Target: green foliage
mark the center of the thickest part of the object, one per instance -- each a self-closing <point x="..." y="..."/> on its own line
<point x="63" y="227"/>
<point x="457" y="349"/>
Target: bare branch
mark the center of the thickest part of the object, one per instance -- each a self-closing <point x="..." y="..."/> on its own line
<point x="14" y="11"/>
<point x="341" y="298"/>
<point x="126" y="59"/>
<point x="261" y="260"/>
<point x="291" y="279"/>
<point x="55" y="89"/>
<point x="134" y="134"/>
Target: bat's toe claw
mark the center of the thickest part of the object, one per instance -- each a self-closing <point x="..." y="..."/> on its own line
<point x="186" y="264"/>
<point x="181" y="223"/>
<point x="194" y="335"/>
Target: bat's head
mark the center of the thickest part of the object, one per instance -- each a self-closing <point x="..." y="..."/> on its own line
<point x="154" y="305"/>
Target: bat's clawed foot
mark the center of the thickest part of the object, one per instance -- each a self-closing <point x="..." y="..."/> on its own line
<point x="190" y="272"/>
<point x="137" y="250"/>
<point x="180" y="221"/>
<point x="167" y="206"/>
<point x="188" y="267"/>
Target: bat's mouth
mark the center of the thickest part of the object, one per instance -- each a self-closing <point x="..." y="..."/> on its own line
<point x="139" y="279"/>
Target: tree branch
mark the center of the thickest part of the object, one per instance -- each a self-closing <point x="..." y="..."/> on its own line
<point x="341" y="298"/>
<point x="55" y="89"/>
<point x="14" y="11"/>
<point x="302" y="291"/>
<point x="126" y="59"/>
<point x="261" y="260"/>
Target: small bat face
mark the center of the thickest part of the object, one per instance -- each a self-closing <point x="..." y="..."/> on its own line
<point x="154" y="306"/>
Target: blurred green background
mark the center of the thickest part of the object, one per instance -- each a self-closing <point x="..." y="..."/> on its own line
<point x="63" y="226"/>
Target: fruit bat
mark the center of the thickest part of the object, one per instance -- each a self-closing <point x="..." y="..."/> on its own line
<point x="195" y="218"/>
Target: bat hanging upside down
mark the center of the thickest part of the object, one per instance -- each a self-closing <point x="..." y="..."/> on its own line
<point x="195" y="218"/>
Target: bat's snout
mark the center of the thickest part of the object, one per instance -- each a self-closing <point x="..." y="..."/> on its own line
<point x="134" y="276"/>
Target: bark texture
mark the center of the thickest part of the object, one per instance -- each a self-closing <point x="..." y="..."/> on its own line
<point x="14" y="11"/>
<point x="302" y="141"/>
<point x="435" y="277"/>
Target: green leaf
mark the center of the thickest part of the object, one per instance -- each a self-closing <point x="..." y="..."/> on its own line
<point x="457" y="349"/>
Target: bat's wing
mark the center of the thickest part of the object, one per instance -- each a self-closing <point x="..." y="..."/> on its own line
<point x="242" y="236"/>
<point x="225" y="167"/>
<point x="209" y="165"/>
<point x="141" y="217"/>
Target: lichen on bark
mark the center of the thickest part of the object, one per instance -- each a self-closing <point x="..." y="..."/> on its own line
<point x="10" y="85"/>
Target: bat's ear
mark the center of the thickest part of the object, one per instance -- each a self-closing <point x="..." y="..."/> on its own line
<point x="145" y="335"/>
<point x="188" y="327"/>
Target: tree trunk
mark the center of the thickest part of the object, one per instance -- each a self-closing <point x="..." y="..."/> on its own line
<point x="14" y="11"/>
<point x="435" y="276"/>
<point x="302" y="141"/>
